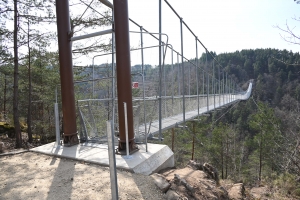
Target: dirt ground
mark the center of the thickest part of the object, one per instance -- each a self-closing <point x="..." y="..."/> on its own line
<point x="31" y="175"/>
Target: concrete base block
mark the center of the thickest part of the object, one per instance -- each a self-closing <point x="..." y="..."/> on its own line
<point x="157" y="157"/>
<point x="161" y="159"/>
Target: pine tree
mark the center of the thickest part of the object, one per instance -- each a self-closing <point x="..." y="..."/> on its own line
<point x="265" y="123"/>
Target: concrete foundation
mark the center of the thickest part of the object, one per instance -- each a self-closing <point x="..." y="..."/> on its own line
<point x="158" y="156"/>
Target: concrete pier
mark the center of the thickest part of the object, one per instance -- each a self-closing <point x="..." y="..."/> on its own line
<point x="158" y="156"/>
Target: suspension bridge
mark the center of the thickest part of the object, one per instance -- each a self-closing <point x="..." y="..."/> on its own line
<point x="139" y="103"/>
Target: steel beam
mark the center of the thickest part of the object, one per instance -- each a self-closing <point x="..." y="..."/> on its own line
<point x="91" y="35"/>
<point x="124" y="87"/>
<point x="107" y="3"/>
<point x="66" y="72"/>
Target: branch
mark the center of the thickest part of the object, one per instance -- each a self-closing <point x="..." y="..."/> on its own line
<point x="7" y="10"/>
<point x="292" y="37"/>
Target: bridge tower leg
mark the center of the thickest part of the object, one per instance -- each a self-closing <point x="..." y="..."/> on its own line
<point x="124" y="87"/>
<point x="66" y="72"/>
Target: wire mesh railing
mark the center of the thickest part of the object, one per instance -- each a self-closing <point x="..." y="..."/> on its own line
<point x="173" y="85"/>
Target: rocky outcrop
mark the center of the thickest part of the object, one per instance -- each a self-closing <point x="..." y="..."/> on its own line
<point x="196" y="181"/>
<point x="161" y="182"/>
<point x="237" y="192"/>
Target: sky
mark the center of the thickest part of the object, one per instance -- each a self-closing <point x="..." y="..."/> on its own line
<point x="222" y="26"/>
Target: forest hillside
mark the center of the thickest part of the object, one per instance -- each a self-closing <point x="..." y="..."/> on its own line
<point x="255" y="141"/>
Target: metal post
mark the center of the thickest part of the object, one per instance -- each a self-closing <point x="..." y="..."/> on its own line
<point x="57" y="133"/>
<point x="178" y="78"/>
<point x="113" y="75"/>
<point x="112" y="160"/>
<point x="93" y="79"/>
<point x="219" y="86"/>
<point x="178" y="74"/>
<point x="160" y="77"/>
<point x="124" y="87"/>
<point x="183" y="100"/>
<point x="226" y="88"/>
<point x="165" y="86"/>
<point x="189" y="83"/>
<point x="230" y="90"/>
<point x="203" y="81"/>
<point x="207" y="83"/>
<point x="197" y="71"/>
<point x="4" y="98"/>
<point x="66" y="72"/>
<point x="223" y="84"/>
<point x="143" y="77"/>
<point x="172" y="82"/>
<point x="173" y="139"/>
<point x="126" y="128"/>
<point x="213" y="83"/>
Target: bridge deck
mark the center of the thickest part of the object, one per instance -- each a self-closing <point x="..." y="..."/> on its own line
<point x="170" y="122"/>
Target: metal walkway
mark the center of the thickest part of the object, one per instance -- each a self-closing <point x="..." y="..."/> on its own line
<point x="179" y="87"/>
<point x="218" y="102"/>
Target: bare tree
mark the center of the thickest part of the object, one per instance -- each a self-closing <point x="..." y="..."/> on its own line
<point x="288" y="32"/>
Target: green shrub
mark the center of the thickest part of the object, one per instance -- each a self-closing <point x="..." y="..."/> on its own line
<point x="286" y="183"/>
<point x="296" y="192"/>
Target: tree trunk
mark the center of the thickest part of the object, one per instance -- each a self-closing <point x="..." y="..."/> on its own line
<point x="16" y="79"/>
<point x="29" y="131"/>
<point x="260" y="158"/>
<point x="4" y="99"/>
<point x="222" y="158"/>
<point x="227" y="156"/>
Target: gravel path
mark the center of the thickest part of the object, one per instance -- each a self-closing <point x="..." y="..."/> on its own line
<point x="36" y="176"/>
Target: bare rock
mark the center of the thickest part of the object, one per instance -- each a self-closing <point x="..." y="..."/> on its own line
<point x="237" y="191"/>
<point x="183" y="182"/>
<point x="212" y="172"/>
<point x="195" y="165"/>
<point x="161" y="182"/>
<point x="259" y="192"/>
<point x="189" y="183"/>
<point x="172" y="195"/>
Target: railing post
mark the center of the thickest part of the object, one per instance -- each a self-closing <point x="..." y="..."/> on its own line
<point x="172" y="82"/>
<point x="57" y="124"/>
<point x="113" y="75"/>
<point x="219" y="86"/>
<point x="214" y="85"/>
<point x="173" y="130"/>
<point x="165" y="85"/>
<point x="223" y="84"/>
<point x="112" y="160"/>
<point x="207" y="82"/>
<point x="126" y="129"/>
<point x="160" y="76"/>
<point x="178" y="74"/>
<point x="182" y="63"/>
<point x="197" y="71"/>
<point x="226" y="88"/>
<point x="143" y="77"/>
<point x="230" y="88"/>
<point x="203" y="81"/>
